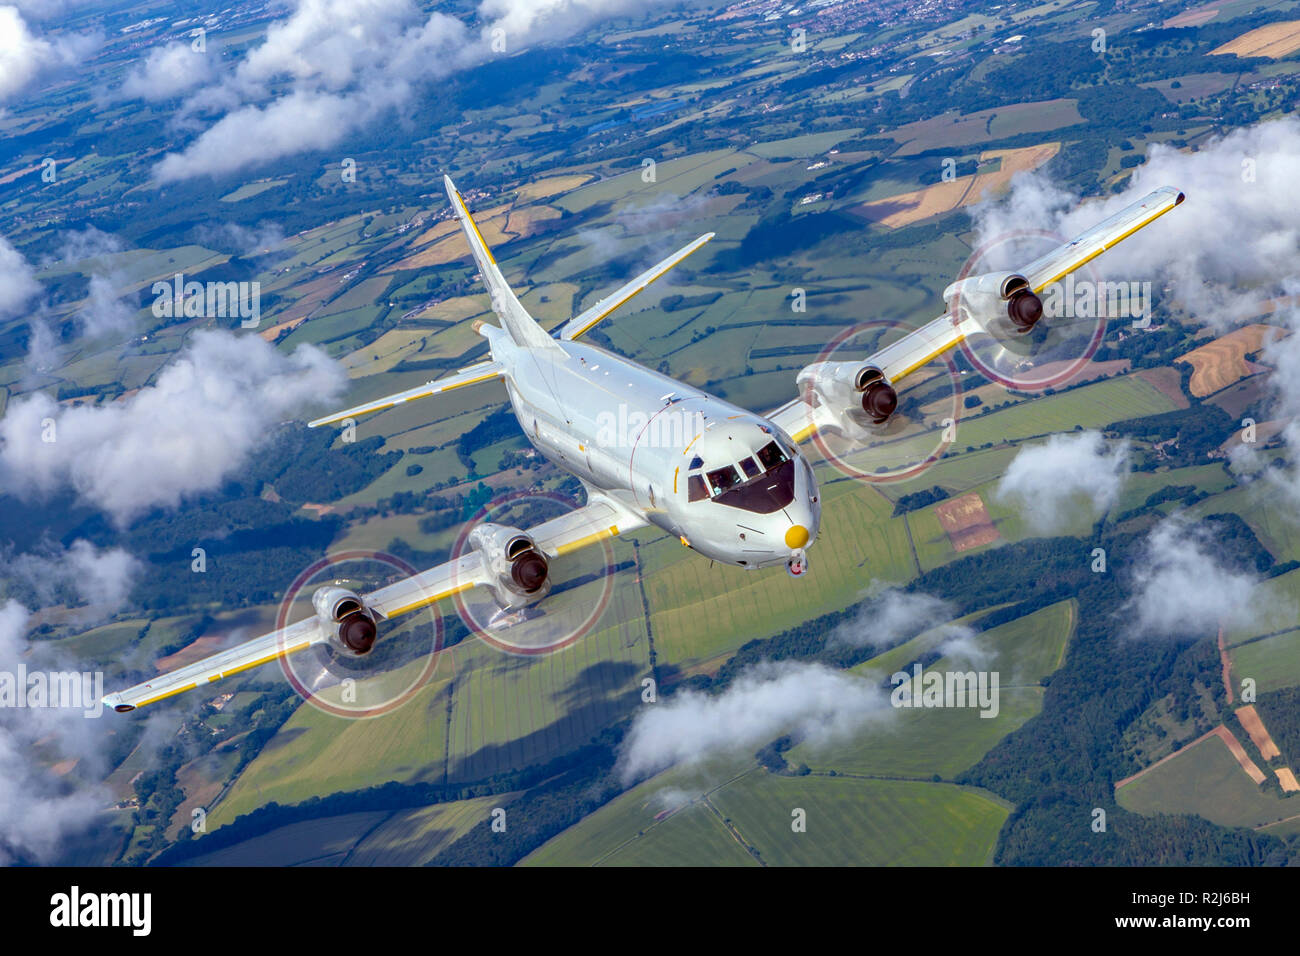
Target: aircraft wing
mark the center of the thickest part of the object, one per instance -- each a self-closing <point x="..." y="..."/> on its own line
<point x="1108" y="233"/>
<point x="250" y="654"/>
<point x="800" y="420"/>
<point x="581" y="323"/>
<point x="481" y="372"/>
<point x="598" y="520"/>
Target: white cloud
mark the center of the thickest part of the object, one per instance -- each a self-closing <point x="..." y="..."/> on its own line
<point x="349" y="62"/>
<point x="538" y="20"/>
<point x="1052" y="481"/>
<point x="890" y="616"/>
<point x="298" y="122"/>
<point x="208" y="410"/>
<point x="242" y="240"/>
<point x="36" y="810"/>
<point x="1230" y="235"/>
<point x="812" y="701"/>
<point x="168" y="71"/>
<point x="18" y="284"/>
<point x="103" y="314"/>
<point x="26" y="57"/>
<point x="1179" y="588"/>
<point x="102" y="578"/>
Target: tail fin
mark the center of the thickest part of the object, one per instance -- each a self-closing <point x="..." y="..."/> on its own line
<point x="521" y="326"/>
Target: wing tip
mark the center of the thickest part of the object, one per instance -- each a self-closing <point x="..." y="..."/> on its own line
<point x="116" y="702"/>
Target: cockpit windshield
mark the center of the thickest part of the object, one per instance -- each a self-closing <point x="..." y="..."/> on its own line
<point x="771" y="455"/>
<point x="767" y="484"/>
<point x="723" y="478"/>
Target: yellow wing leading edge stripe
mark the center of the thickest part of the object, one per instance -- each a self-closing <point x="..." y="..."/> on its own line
<point x="624" y="294"/>
<point x="431" y="599"/>
<point x="1110" y="245"/>
<point x="437" y="387"/>
<point x="568" y="546"/>
<point x="464" y="211"/>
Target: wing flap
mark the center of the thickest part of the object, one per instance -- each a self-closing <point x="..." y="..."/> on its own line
<point x="599" y="519"/>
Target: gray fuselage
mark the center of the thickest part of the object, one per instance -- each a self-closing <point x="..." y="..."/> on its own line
<point x="729" y="483"/>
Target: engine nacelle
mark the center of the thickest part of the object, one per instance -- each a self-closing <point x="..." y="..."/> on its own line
<point x="345" y="617"/>
<point x="858" y="396"/>
<point x="520" y="572"/>
<point x="1002" y="303"/>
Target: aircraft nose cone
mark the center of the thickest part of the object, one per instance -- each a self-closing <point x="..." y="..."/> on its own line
<point x="796" y="537"/>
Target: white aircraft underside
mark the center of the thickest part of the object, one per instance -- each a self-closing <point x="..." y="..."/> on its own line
<point x="649" y="450"/>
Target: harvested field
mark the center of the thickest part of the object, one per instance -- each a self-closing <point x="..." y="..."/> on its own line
<point x="907" y="208"/>
<point x="1275" y="40"/>
<point x="966" y="521"/>
<point x="1220" y="363"/>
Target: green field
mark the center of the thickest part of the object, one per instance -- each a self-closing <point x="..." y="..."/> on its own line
<point x="849" y="822"/>
<point x="1273" y="662"/>
<point x="921" y="742"/>
<point x="1207" y="781"/>
<point x="507" y="712"/>
<point x="323" y="842"/>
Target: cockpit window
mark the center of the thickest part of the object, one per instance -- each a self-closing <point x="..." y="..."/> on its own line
<point x="765" y="494"/>
<point x="723" y="478"/>
<point x="696" y="462"/>
<point x="771" y="455"/>
<point x="696" y="489"/>
<point x="750" y="467"/>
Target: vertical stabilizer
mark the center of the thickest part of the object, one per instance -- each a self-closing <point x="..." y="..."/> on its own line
<point x="521" y="326"/>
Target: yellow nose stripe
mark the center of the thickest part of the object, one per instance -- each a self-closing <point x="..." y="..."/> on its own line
<point x="796" y="537"/>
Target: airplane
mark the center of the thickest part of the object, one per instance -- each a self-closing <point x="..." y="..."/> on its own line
<point x="737" y="489"/>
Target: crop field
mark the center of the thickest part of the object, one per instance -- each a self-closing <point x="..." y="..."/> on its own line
<point x="1275" y="603"/>
<point x="906" y="208"/>
<point x="1220" y="363"/>
<point x="698" y="612"/>
<point x="319" y="842"/>
<point x="921" y="742"/>
<point x="856" y="822"/>
<point x="1275" y="40"/>
<point x="506" y="712"/>
<point x="748" y="820"/>
<point x="414" y="837"/>
<point x="1272" y="662"/>
<point x="1275" y="530"/>
<point x="1205" y="780"/>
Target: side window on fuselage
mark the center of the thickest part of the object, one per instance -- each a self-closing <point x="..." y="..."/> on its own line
<point x="696" y="490"/>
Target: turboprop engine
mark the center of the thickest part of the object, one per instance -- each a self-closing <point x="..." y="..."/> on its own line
<point x="1001" y="303"/>
<point x="345" y="617"/>
<point x="520" y="573"/>
<point x="859" y="396"/>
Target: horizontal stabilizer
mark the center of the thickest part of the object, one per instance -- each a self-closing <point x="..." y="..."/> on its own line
<point x="580" y="324"/>
<point x="482" y="372"/>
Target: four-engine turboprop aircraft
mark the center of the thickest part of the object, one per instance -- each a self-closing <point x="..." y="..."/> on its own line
<point x="731" y="484"/>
